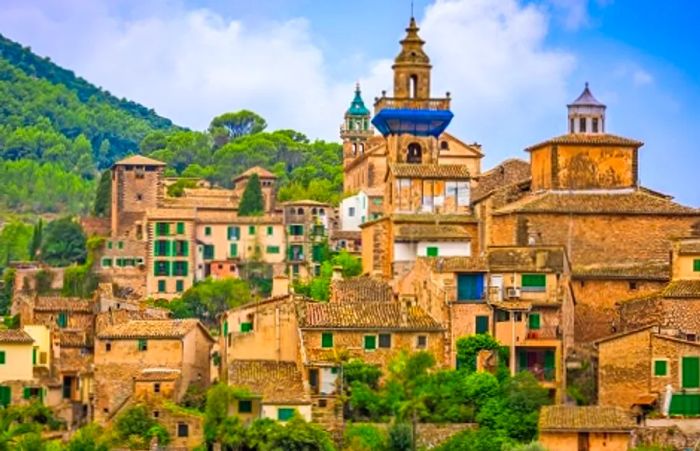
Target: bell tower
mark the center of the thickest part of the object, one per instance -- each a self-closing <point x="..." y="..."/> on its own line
<point x="356" y="129"/>
<point x="412" y="67"/>
<point x="586" y="114"/>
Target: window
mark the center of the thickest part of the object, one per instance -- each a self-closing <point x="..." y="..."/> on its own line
<point x="34" y="349"/>
<point x="431" y="251"/>
<point x="183" y="430"/>
<point x="179" y="286"/>
<point x="414" y="154"/>
<point x="470" y="287"/>
<point x="208" y="252"/>
<point x="108" y="347"/>
<point x="180" y="268"/>
<point x="444" y="145"/>
<point x="534" y="321"/>
<point x="156" y="388"/>
<point x="690" y="372"/>
<point x="161" y="268"/>
<point x="156" y="414"/>
<point x="142" y="345"/>
<point x="62" y="320"/>
<point x="385" y="340"/>
<point x="120" y="245"/>
<point x="412" y="86"/>
<point x="351" y="211"/>
<point x="370" y="342"/>
<point x="233" y="233"/>
<point x="482" y="324"/>
<point x="660" y="367"/>
<point x="162" y="229"/>
<point x="594" y="125"/>
<point x="161" y="286"/>
<point x="272" y="249"/>
<point x="270" y="230"/>
<point x="502" y="316"/>
<point x="161" y="248"/>
<point x="180" y="248"/>
<point x="180" y="228"/>
<point x="422" y="341"/>
<point x="32" y="392"/>
<point x="696" y="265"/>
<point x="316" y="253"/>
<point x="582" y="125"/>
<point x="233" y="250"/>
<point x="109" y="245"/>
<point x="296" y="230"/>
<point x="106" y="262"/>
<point x="251" y="230"/>
<point x="327" y="340"/>
<point x="285" y="413"/>
<point x="245" y="406"/>
<point x="5" y="396"/>
<point x="246" y="327"/>
<point x="534" y="282"/>
<point x="633" y="285"/>
<point x="2" y="357"/>
<point x="207" y="231"/>
<point x="296" y="252"/>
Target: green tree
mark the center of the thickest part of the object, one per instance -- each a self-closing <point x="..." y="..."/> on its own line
<point x="64" y="243"/>
<point x="90" y="437"/>
<point x="208" y="298"/>
<point x="252" y="201"/>
<point x="319" y="287"/>
<point x="103" y="197"/>
<point x="137" y="427"/>
<point x="35" y="244"/>
<point x="230" y="126"/>
<point x="364" y="437"/>
<point x="401" y="437"/>
<point x="15" y="237"/>
<point x="300" y="435"/>
<point x="469" y="347"/>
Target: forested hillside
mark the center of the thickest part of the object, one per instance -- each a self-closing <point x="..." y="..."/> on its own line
<point x="58" y="131"/>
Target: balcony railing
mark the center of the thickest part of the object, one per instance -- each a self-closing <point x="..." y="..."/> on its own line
<point x="541" y="374"/>
<point x="544" y="333"/>
<point x="406" y="103"/>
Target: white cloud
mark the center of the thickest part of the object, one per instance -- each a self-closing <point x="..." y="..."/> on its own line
<point x="191" y="65"/>
<point x="640" y="77"/>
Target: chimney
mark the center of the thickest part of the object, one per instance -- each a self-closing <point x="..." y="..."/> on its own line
<point x="337" y="273"/>
<point x="280" y="286"/>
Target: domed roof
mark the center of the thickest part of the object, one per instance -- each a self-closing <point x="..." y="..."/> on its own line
<point x="586" y="99"/>
<point x="357" y="107"/>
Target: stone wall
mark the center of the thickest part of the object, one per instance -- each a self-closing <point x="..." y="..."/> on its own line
<point x="430" y="435"/>
<point x="624" y="369"/>
<point x="681" y="314"/>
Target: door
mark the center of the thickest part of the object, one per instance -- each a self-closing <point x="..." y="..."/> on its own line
<point x="313" y="380"/>
<point x="482" y="324"/>
<point x="583" y="441"/>
<point x="497" y="286"/>
<point x="690" y="375"/>
<point x="470" y="287"/>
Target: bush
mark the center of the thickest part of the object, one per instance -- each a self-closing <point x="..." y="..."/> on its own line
<point x="400" y="437"/>
<point x="364" y="437"/>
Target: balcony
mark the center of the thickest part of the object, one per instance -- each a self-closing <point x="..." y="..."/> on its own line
<point x="541" y="374"/>
<point x="420" y="117"/>
<point x="406" y="103"/>
<point x="544" y="333"/>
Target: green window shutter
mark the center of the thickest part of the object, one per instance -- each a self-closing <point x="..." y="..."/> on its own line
<point x="26" y="393"/>
<point x="316" y="253"/>
<point x="207" y="231"/>
<point x="169" y="249"/>
<point x="534" y="280"/>
<point x="246" y="327"/>
<point x="549" y="363"/>
<point x="142" y="345"/>
<point x="166" y="228"/>
<point x="120" y="245"/>
<point x="225" y="328"/>
<point x="272" y="249"/>
<point x="284" y="413"/>
<point x="233" y="251"/>
<point x="109" y="245"/>
<point x="251" y="230"/>
<point x="660" y="367"/>
<point x="2" y="357"/>
<point x="696" y="265"/>
<point x="62" y="320"/>
<point x="522" y="360"/>
<point x="370" y="342"/>
<point x="482" y="324"/>
<point x="534" y="321"/>
<point x="432" y="251"/>
<point x="245" y="406"/>
<point x="185" y="246"/>
<point x="33" y="356"/>
<point x="327" y="340"/>
<point x="180" y="228"/>
<point x="179" y="286"/>
<point x="690" y="372"/>
<point x="106" y="262"/>
<point x="5" y="396"/>
<point x="161" y="286"/>
<point x="270" y="230"/>
<point x="185" y="268"/>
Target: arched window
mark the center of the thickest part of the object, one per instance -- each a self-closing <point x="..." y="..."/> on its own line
<point x="354" y="148"/>
<point x="362" y="148"/>
<point x="300" y="211"/>
<point x="444" y="145"/>
<point x="415" y="153"/>
<point x="412" y="86"/>
<point x="313" y="211"/>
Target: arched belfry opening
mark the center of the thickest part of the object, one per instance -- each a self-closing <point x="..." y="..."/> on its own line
<point x="414" y="154"/>
<point x="412" y="86"/>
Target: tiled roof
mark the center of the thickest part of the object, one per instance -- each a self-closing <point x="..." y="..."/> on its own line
<point x="277" y="382"/>
<point x="209" y="192"/>
<point x="176" y="328"/>
<point x="361" y="289"/>
<point x="15" y="336"/>
<point x="457" y="264"/>
<point x="594" y="139"/>
<point x="432" y="218"/>
<point x="508" y="172"/>
<point x="630" y="202"/>
<point x="513" y="305"/>
<point x="346" y="235"/>
<point x="230" y="217"/>
<point x="366" y="315"/>
<point x="305" y="202"/>
<point x="171" y="212"/>
<point x="432" y="171"/>
<point x="139" y="160"/>
<point x="682" y="289"/>
<point x="655" y="270"/>
<point x="425" y="232"/>
<point x="158" y="374"/>
<point x="59" y="304"/>
<point x="526" y="258"/>
<point x="213" y="203"/>
<point x="584" y="419"/>
<point x="262" y="172"/>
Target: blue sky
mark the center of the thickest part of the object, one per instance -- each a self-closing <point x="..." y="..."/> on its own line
<point x="511" y="65"/>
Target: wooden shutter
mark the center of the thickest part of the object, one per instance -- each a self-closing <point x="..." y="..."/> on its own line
<point x="690" y="372"/>
<point x="534" y="321"/>
<point x="327" y="340"/>
<point x="482" y="324"/>
<point x="660" y="367"/>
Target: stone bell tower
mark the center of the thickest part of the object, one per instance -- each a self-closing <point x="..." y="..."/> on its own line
<point x="356" y="129"/>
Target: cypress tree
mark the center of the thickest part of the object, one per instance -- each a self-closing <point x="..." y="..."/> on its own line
<point x="252" y="202"/>
<point x="103" y="197"/>
<point x="35" y="244"/>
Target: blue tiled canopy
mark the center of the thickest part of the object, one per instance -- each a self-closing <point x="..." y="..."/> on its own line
<point x="416" y="122"/>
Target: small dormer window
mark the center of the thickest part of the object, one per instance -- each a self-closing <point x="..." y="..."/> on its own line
<point x="582" y="125"/>
<point x="444" y="145"/>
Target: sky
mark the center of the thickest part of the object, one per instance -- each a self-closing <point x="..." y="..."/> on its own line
<point x="511" y="66"/>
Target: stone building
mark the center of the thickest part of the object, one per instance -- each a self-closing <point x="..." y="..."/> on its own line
<point x="308" y="225"/>
<point x="126" y="352"/>
<point x="593" y="428"/>
<point x="16" y="364"/>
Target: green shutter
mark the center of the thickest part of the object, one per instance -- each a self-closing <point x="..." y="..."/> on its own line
<point x="142" y="345"/>
<point x="26" y="393"/>
<point x="270" y="230"/>
<point x="2" y="357"/>
<point x="432" y="251"/>
<point x="225" y="328"/>
<point x="161" y="286"/>
<point x="62" y="320"/>
<point x="233" y="251"/>
<point x="327" y="340"/>
<point x="482" y="324"/>
<point x="690" y="372"/>
<point x="251" y="230"/>
<point x="179" y="286"/>
<point x="272" y="249"/>
<point x="522" y="360"/>
<point x="696" y="265"/>
<point x="549" y="365"/>
<point x="534" y="321"/>
<point x="33" y="356"/>
<point x="660" y="367"/>
<point x="370" y="342"/>
<point x="180" y="228"/>
<point x="5" y="396"/>
<point x="185" y="248"/>
<point x="246" y="327"/>
<point x="534" y="280"/>
<point x="316" y="253"/>
<point x="284" y="413"/>
<point x="245" y="406"/>
<point x="207" y="230"/>
<point x="169" y="249"/>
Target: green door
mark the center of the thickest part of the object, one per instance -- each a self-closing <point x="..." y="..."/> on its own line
<point x="690" y="372"/>
<point x="482" y="324"/>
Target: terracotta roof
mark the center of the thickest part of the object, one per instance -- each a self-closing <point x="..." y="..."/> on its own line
<point x="513" y="305"/>
<point x="277" y="382"/>
<point x="425" y="232"/>
<point x="306" y="202"/>
<point x="655" y="270"/>
<point x="171" y="212"/>
<point x="526" y="258"/>
<point x="433" y="171"/>
<point x="431" y="218"/>
<point x="361" y="289"/>
<point x="629" y="202"/>
<point x="262" y="172"/>
<point x="15" y="336"/>
<point x="59" y="304"/>
<point x="367" y="315"/>
<point x="689" y="247"/>
<point x="457" y="264"/>
<point x="474" y="147"/>
<point x="593" y="139"/>
<point x="584" y="419"/>
<point x="175" y="328"/>
<point x="158" y="374"/>
<point x="682" y="289"/>
<point x="139" y="160"/>
<point x="508" y="172"/>
<point x="346" y="234"/>
<point x="230" y="217"/>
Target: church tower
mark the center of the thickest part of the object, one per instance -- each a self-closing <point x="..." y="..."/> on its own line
<point x="412" y="67"/>
<point x="356" y="129"/>
<point x="586" y="114"/>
